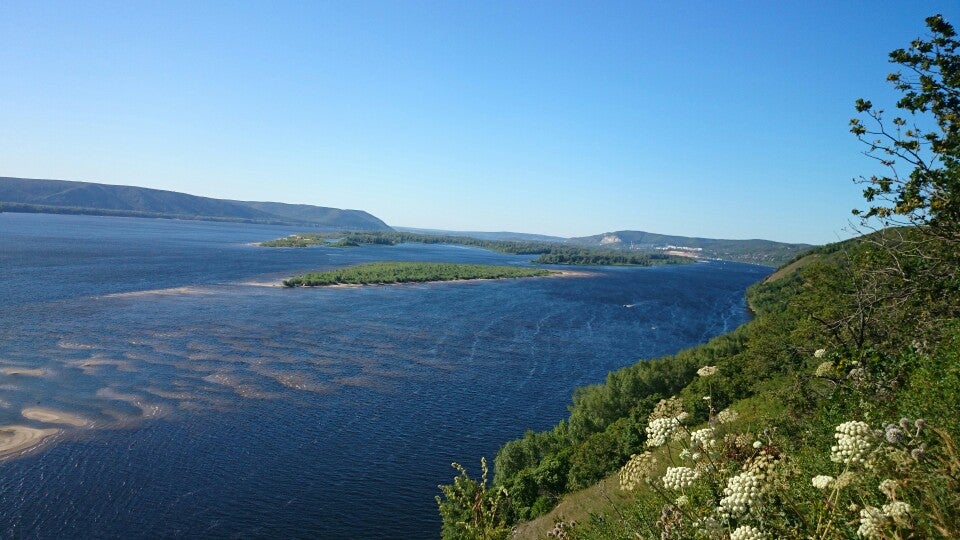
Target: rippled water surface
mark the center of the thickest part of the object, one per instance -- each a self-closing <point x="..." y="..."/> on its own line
<point x="204" y="403"/>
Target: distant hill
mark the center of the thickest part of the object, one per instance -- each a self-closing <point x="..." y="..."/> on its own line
<point x="764" y="252"/>
<point x="67" y="197"/>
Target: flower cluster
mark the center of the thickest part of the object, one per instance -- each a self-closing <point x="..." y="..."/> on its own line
<point x="825" y="369"/>
<point x="742" y="492"/>
<point x="854" y="441"/>
<point x="871" y="523"/>
<point x="637" y="470"/>
<point x="660" y="430"/>
<point x="702" y="439"/>
<point x="727" y="415"/>
<point x="560" y="529"/>
<point x="819" y="353"/>
<point x="889" y="488"/>
<point x="707" y="371"/>
<point x="747" y="532"/>
<point x="677" y="478"/>
<point x="899" y="511"/>
<point x="667" y="408"/>
<point x="822" y="481"/>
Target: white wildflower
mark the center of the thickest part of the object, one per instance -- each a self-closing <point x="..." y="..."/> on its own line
<point x="822" y="481"/>
<point x="747" y="532"/>
<point x="685" y="454"/>
<point x="854" y="441"/>
<point x="727" y="415"/>
<point x="636" y="470"/>
<point x="742" y="492"/>
<point x="682" y="501"/>
<point x="677" y="478"/>
<point x="889" y="488"/>
<point x="707" y="371"/>
<point x="757" y="445"/>
<point x="871" y="523"/>
<point x="660" y="430"/>
<point x="899" y="511"/>
<point x="819" y="353"/>
<point x="845" y="479"/>
<point x="825" y="369"/>
<point x="702" y="439"/>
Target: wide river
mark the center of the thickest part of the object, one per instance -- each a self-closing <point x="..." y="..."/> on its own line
<point x="194" y="401"/>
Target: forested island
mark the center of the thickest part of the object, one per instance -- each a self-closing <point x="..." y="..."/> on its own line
<point x="548" y="252"/>
<point x="382" y="273"/>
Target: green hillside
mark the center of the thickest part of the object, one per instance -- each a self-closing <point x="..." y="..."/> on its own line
<point x="763" y="252"/>
<point x="67" y="197"/>
<point x="832" y="414"/>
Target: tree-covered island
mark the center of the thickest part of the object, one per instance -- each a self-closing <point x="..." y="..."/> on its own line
<point x="548" y="252"/>
<point x="382" y="273"/>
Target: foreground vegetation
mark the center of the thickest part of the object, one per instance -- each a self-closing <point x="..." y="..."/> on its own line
<point x="410" y="272"/>
<point x="833" y="414"/>
<point x="549" y="252"/>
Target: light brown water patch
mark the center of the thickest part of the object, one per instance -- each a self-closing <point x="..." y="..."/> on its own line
<point x="15" y="440"/>
<point x="26" y="372"/>
<point x="148" y="410"/>
<point x="53" y="416"/>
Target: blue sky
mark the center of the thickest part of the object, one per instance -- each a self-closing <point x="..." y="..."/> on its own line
<point x="717" y="119"/>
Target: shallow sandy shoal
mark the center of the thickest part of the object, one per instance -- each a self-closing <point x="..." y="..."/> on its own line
<point x="17" y="439"/>
<point x="52" y="416"/>
<point x="24" y="371"/>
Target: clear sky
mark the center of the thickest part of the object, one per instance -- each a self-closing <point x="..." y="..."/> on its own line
<point x="724" y="119"/>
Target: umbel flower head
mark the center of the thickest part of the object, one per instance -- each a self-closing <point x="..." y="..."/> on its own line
<point x="819" y="353"/>
<point x="743" y="491"/>
<point x="707" y="371"/>
<point x="637" y="470"/>
<point x="747" y="532"/>
<point x="854" y="441"/>
<point x="727" y="415"/>
<point x="822" y="481"/>
<point x="677" y="478"/>
<point x="660" y="429"/>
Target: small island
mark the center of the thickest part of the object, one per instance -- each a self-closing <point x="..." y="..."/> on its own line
<point x="382" y="273"/>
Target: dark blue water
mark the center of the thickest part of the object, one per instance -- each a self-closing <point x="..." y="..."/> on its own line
<point x="221" y="408"/>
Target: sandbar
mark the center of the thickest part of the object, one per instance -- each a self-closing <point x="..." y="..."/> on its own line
<point x="24" y="371"/>
<point x="52" y="416"/>
<point x="17" y="439"/>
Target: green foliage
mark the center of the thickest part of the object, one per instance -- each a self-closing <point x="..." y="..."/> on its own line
<point x="930" y="193"/>
<point x="410" y="272"/>
<point x="470" y="510"/>
<point x="592" y="257"/>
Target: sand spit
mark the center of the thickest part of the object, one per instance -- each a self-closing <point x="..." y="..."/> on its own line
<point x="15" y="440"/>
<point x="26" y="372"/>
<point x="175" y="291"/>
<point x="52" y="416"/>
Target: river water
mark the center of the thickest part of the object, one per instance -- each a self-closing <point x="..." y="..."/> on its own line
<point x="219" y="407"/>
